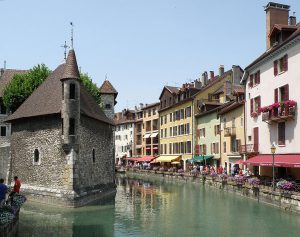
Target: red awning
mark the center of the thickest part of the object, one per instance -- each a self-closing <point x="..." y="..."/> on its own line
<point x="148" y="148"/>
<point x="292" y="161"/>
<point x="141" y="159"/>
<point x="239" y="162"/>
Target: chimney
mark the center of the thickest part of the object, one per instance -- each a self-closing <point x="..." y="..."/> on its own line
<point x="212" y="75"/>
<point x="292" y="20"/>
<point x="275" y="14"/>
<point x="221" y="70"/>
<point x="1" y="71"/>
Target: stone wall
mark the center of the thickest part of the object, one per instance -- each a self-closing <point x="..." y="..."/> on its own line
<point x="94" y="173"/>
<point x="4" y="161"/>
<point x="44" y="134"/>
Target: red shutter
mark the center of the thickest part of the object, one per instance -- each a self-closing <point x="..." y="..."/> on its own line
<point x="285" y="62"/>
<point x="211" y="148"/>
<point x="258" y="104"/>
<point x="204" y="149"/>
<point x="251" y="106"/>
<point x="258" y="77"/>
<point x="286" y="92"/>
<point x="251" y="80"/>
<point x="276" y="95"/>
<point x="275" y="68"/>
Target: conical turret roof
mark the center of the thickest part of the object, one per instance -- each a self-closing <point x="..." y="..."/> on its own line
<point x="107" y="88"/>
<point x="71" y="68"/>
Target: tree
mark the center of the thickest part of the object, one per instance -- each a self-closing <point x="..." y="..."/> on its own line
<point x="90" y="86"/>
<point x="22" y="85"/>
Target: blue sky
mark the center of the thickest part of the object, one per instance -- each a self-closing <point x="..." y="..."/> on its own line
<point x="141" y="45"/>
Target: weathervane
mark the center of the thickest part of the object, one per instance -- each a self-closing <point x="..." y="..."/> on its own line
<point x="72" y="39"/>
<point x="65" y="46"/>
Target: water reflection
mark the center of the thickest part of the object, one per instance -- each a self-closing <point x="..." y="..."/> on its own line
<point x="155" y="208"/>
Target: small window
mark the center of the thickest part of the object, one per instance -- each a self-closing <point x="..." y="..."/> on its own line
<point x="36" y="156"/>
<point x="107" y="106"/>
<point x="2" y="108"/>
<point x="72" y="91"/>
<point x="3" y="131"/>
<point x="72" y="126"/>
<point x="249" y="138"/>
<point x="93" y="154"/>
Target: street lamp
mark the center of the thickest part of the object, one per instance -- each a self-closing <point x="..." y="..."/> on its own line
<point x="273" y="150"/>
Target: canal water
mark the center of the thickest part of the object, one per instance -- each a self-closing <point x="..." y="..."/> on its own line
<point x="157" y="208"/>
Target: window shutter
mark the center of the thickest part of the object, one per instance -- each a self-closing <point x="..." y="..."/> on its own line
<point x="203" y="132"/>
<point x="251" y="80"/>
<point x="258" y="104"/>
<point x="204" y="149"/>
<point x="198" y="132"/>
<point x="285" y="62"/>
<point x="275" y="68"/>
<point x="286" y="91"/>
<point x="276" y="95"/>
<point x="258" y="77"/>
<point x="211" y="148"/>
<point x="251" y="106"/>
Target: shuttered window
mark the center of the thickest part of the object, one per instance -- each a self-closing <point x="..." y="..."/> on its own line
<point x="275" y="68"/>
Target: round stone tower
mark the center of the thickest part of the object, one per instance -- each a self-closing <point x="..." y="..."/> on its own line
<point x="108" y="97"/>
<point x="70" y="112"/>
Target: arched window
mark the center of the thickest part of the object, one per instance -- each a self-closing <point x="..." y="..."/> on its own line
<point x="36" y="156"/>
<point x="93" y="155"/>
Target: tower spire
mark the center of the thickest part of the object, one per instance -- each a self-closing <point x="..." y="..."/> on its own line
<point x="65" y="46"/>
<point x="72" y="31"/>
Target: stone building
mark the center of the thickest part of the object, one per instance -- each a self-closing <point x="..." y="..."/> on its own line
<point x="62" y="142"/>
<point x="108" y="97"/>
<point x="5" y="77"/>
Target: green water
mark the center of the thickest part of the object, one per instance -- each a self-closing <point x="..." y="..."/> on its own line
<point x="161" y="209"/>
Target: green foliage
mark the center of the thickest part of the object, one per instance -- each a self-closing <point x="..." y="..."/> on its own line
<point x="22" y="85"/>
<point x="90" y="86"/>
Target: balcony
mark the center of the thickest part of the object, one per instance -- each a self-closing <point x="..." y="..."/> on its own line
<point x="249" y="148"/>
<point x="279" y="114"/>
<point x="228" y="132"/>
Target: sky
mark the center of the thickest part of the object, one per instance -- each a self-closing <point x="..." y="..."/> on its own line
<point x="141" y="45"/>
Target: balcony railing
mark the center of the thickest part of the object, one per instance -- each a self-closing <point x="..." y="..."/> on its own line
<point x="228" y="132"/>
<point x="249" y="148"/>
<point x="279" y="114"/>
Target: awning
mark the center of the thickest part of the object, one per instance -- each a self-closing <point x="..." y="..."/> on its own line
<point x="148" y="148"/>
<point x="292" y="161"/>
<point x="147" y="135"/>
<point x="239" y="162"/>
<point x="141" y="159"/>
<point x="154" y="134"/>
<point x="201" y="158"/>
<point x="167" y="158"/>
<point x="155" y="148"/>
<point x="175" y="162"/>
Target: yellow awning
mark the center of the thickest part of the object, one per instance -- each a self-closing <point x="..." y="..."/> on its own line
<point x="167" y="158"/>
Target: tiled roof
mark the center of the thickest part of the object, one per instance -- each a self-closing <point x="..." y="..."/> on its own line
<point x="47" y="99"/>
<point x="71" y="67"/>
<point x="7" y="76"/>
<point x="150" y="105"/>
<point x="172" y="89"/>
<point x="231" y="107"/>
<point x="107" y="88"/>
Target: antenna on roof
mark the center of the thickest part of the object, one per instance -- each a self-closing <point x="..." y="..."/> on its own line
<point x="65" y="46"/>
<point x="4" y="64"/>
<point x="72" y="38"/>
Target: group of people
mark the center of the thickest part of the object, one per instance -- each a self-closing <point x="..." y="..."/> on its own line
<point x="4" y="190"/>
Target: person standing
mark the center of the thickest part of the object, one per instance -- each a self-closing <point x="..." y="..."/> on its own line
<point x="3" y="191"/>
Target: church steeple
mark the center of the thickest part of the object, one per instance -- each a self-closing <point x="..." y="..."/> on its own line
<point x="71" y="68"/>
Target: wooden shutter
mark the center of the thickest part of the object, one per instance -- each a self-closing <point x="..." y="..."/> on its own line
<point x="203" y="132"/>
<point x="251" y="106"/>
<point x="204" y="149"/>
<point x="258" y="77"/>
<point x="258" y="104"/>
<point x="281" y="133"/>
<point x="251" y="80"/>
<point x="276" y="95"/>
<point x="286" y="92"/>
<point x="285" y="62"/>
<point x="275" y="68"/>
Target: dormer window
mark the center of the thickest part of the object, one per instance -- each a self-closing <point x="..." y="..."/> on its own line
<point x="72" y="91"/>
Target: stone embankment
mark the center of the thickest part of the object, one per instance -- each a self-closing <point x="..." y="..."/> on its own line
<point x="287" y="200"/>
